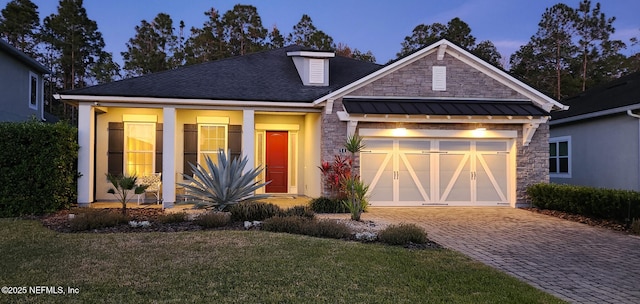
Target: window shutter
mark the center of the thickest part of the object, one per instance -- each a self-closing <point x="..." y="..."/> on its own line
<point x="115" y="151"/>
<point x="190" y="147"/>
<point x="235" y="141"/>
<point x="158" y="147"/>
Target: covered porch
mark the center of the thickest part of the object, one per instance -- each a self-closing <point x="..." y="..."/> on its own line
<point x="165" y="139"/>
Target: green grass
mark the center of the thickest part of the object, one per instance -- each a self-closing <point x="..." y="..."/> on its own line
<point x="241" y="266"/>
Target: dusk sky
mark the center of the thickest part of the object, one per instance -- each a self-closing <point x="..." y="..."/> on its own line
<point x="378" y="26"/>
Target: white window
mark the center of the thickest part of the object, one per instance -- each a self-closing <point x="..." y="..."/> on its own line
<point x="560" y="156"/>
<point x="139" y="145"/>
<point x="33" y="91"/>
<point x="211" y="139"/>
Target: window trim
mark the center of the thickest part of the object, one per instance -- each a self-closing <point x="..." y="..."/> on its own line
<point x="34" y="106"/>
<point x="226" y="139"/>
<point x="126" y="147"/>
<point x="558" y="140"/>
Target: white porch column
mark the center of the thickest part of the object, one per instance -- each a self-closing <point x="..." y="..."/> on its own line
<point x="169" y="157"/>
<point x="248" y="137"/>
<point x="86" y="140"/>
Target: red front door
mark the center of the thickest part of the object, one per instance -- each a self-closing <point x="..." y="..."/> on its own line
<point x="277" y="161"/>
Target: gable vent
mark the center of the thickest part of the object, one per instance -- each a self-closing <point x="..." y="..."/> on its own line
<point x="312" y="66"/>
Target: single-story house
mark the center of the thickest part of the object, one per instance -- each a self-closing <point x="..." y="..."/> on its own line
<point x="597" y="141"/>
<point x="441" y="126"/>
<point x="21" y="85"/>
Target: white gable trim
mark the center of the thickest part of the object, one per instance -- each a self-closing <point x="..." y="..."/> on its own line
<point x="538" y="98"/>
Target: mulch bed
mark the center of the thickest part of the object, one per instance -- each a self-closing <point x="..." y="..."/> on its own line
<point x="608" y="224"/>
<point x="59" y="222"/>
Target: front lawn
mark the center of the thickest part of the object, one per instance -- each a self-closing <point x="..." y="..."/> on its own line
<point x="241" y="266"/>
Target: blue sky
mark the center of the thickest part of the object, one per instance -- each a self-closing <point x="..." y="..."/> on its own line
<point x="378" y="26"/>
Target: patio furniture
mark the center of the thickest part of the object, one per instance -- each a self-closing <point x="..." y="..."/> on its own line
<point x="154" y="183"/>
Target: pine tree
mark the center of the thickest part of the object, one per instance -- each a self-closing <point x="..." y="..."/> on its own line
<point x="154" y="47"/>
<point x="276" y="40"/>
<point x="206" y="43"/>
<point x="243" y="30"/>
<point x="75" y="43"/>
<point x="456" y="31"/>
<point x="19" y="23"/>
<point x="306" y="34"/>
<point x="571" y="51"/>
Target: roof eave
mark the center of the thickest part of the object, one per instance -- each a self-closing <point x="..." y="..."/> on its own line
<point x="180" y="101"/>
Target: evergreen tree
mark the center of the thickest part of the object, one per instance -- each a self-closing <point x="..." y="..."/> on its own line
<point x="243" y="30"/>
<point x="276" y="40"/>
<point x="593" y="31"/>
<point x="154" y="48"/>
<point x="571" y="51"/>
<point x="456" y="31"/>
<point x="75" y="43"/>
<point x="19" y="23"/>
<point x="368" y="56"/>
<point x="306" y="34"/>
<point x="206" y="43"/>
<point x="345" y="51"/>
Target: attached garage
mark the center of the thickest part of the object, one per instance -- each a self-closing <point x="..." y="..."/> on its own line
<point x="442" y="127"/>
<point x="438" y="171"/>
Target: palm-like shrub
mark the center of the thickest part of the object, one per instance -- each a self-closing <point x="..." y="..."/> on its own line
<point x="124" y="187"/>
<point x="357" y="200"/>
<point x="220" y="185"/>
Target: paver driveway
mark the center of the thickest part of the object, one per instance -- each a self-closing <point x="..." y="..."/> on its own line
<point x="573" y="261"/>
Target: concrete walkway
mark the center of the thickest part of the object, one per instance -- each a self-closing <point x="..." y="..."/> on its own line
<point x="575" y="262"/>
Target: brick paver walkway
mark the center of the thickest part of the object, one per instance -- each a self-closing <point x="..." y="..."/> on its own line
<point x="573" y="261"/>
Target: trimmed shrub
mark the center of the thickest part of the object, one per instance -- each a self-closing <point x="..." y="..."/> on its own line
<point x="38" y="168"/>
<point x="288" y="224"/>
<point x="168" y="218"/>
<point x="311" y="227"/>
<point x="402" y="234"/>
<point x="95" y="219"/>
<point x="327" y="205"/>
<point x="327" y="229"/>
<point x="635" y="227"/>
<point x="303" y="211"/>
<point x="213" y="219"/>
<point x="253" y="211"/>
<point x="620" y="205"/>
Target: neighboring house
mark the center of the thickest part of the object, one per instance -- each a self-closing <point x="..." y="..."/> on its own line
<point x="21" y="85"/>
<point x="596" y="142"/>
<point x="441" y="126"/>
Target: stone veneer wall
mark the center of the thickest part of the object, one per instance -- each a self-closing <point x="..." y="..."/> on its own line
<point x="463" y="81"/>
<point x="414" y="80"/>
<point x="532" y="161"/>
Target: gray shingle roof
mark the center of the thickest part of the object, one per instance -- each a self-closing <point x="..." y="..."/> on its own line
<point x="408" y="106"/>
<point x="622" y="92"/>
<point x="264" y="76"/>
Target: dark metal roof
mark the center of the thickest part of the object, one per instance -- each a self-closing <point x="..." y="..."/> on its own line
<point x="22" y="57"/>
<point x="263" y="76"/>
<point x="408" y="106"/>
<point x="619" y="93"/>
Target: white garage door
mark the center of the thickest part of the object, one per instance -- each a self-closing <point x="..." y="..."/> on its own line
<point x="417" y="172"/>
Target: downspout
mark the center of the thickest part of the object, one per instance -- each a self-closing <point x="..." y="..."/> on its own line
<point x="631" y="114"/>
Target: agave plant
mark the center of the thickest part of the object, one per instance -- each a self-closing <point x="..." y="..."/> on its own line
<point x="220" y="185"/>
<point x="124" y="187"/>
